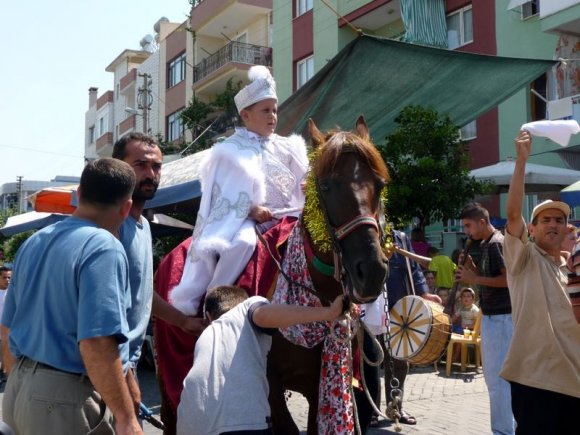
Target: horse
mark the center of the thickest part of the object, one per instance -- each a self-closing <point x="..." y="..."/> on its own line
<point x="340" y="222"/>
<point x="340" y="231"/>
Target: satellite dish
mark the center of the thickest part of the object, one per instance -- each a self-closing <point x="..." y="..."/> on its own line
<point x="157" y="25"/>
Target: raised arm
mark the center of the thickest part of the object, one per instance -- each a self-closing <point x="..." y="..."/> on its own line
<point x="515" y="223"/>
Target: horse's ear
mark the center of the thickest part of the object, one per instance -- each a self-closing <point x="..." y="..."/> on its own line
<point x="362" y="129"/>
<point x="315" y="134"/>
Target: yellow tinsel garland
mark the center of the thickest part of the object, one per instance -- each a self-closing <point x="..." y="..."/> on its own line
<point x="314" y="217"/>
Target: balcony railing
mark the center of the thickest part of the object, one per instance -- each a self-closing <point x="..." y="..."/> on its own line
<point x="233" y="52"/>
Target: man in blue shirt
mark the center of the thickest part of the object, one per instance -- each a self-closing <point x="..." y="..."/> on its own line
<point x="142" y="153"/>
<point x="64" y="326"/>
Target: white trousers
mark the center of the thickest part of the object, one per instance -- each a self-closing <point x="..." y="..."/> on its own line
<point x="212" y="270"/>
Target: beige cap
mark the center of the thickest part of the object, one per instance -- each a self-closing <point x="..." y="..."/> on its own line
<point x="262" y="87"/>
<point x="548" y="204"/>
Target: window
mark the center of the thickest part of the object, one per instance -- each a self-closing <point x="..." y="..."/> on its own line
<point x="530" y="9"/>
<point x="92" y="134"/>
<point x="538" y="98"/>
<point x="175" y="126"/>
<point x="468" y="131"/>
<point x="103" y="126"/>
<point x="303" y="6"/>
<point x="304" y="71"/>
<point x="176" y="71"/>
<point x="459" y="28"/>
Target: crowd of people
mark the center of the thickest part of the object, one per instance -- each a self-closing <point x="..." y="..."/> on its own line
<point x="78" y="300"/>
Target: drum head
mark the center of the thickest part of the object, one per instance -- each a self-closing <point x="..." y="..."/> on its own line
<point x="410" y="322"/>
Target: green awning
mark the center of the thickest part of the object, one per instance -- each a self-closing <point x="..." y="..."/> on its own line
<point x="378" y="77"/>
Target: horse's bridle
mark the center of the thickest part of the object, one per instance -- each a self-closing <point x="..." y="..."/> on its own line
<point x="342" y="232"/>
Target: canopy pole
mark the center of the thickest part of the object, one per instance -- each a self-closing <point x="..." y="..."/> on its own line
<point x="358" y="31"/>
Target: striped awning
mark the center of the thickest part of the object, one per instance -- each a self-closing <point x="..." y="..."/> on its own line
<point x="424" y="22"/>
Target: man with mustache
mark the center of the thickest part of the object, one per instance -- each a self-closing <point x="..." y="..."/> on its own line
<point x="543" y="362"/>
<point x="143" y="154"/>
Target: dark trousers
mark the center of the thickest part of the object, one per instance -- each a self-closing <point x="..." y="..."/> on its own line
<point x="400" y="370"/>
<point x="541" y="412"/>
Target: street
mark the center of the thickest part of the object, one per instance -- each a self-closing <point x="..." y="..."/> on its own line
<point x="455" y="405"/>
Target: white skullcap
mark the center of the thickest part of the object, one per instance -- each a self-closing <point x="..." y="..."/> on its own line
<point x="262" y="87"/>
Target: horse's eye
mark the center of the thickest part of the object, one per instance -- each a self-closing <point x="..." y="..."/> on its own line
<point x="324" y="187"/>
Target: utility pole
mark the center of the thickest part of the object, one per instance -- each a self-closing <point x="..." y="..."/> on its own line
<point x="144" y="100"/>
<point x="19" y="192"/>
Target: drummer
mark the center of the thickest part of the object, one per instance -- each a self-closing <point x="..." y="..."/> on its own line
<point x="398" y="284"/>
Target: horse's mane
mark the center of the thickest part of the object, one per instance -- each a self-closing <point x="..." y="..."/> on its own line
<point x="338" y="142"/>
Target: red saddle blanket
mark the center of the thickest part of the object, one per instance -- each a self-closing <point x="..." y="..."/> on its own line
<point x="174" y="348"/>
<point x="261" y="273"/>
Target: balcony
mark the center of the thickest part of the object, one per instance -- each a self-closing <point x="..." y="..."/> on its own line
<point x="560" y="16"/>
<point x="565" y="108"/>
<point x="234" y="52"/>
<point x="129" y="79"/>
<point x="212" y="18"/>
<point x="104" y="145"/>
<point x="127" y="124"/>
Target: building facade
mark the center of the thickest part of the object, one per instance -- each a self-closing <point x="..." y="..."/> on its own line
<point x="194" y="59"/>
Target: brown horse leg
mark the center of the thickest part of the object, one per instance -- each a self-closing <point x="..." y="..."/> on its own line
<point x="312" y="428"/>
<point x="282" y="422"/>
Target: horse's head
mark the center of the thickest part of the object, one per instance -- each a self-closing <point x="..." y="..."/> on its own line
<point x="343" y="207"/>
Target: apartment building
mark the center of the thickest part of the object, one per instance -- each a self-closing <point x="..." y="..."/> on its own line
<point x="230" y="37"/>
<point x="198" y="57"/>
<point x="148" y="86"/>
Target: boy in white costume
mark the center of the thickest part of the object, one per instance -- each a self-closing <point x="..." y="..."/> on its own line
<point x="251" y="177"/>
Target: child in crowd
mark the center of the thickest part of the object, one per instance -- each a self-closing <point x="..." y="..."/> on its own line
<point x="252" y="177"/>
<point x="468" y="311"/>
<point x="443" y="293"/>
<point x="226" y="390"/>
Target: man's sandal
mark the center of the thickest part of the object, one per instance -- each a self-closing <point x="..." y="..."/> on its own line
<point x="407" y="418"/>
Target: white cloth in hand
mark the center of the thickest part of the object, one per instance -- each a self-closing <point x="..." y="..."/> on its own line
<point x="559" y="131"/>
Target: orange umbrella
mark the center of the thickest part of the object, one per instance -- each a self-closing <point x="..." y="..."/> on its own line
<point x="55" y="199"/>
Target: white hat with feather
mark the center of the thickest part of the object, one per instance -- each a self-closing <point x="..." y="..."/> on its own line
<point x="261" y="87"/>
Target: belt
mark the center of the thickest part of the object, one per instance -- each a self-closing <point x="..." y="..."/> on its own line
<point x="30" y="363"/>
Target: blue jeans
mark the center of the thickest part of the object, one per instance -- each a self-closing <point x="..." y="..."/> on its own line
<point x="496" y="335"/>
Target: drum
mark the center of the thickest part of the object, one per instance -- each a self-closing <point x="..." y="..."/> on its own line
<point x="420" y="330"/>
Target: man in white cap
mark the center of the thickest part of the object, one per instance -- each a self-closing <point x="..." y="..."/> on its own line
<point x="543" y="362"/>
<point x="251" y="177"/>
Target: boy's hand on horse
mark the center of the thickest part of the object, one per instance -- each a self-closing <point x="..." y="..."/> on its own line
<point x="260" y="214"/>
<point x="338" y="307"/>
